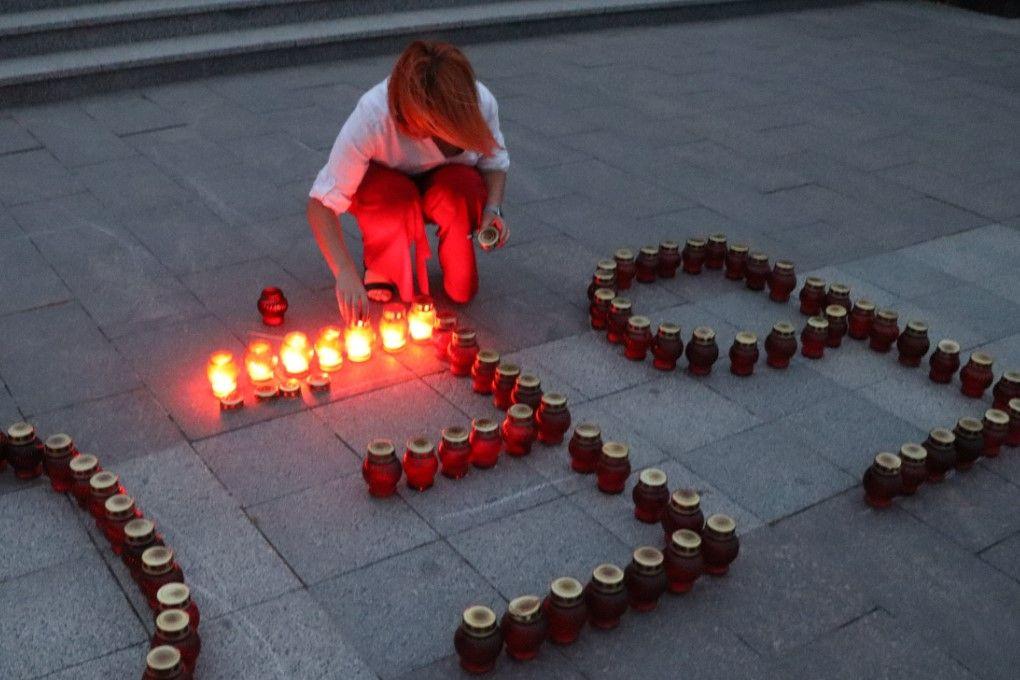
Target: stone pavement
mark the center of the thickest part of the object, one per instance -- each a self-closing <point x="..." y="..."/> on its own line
<point x="874" y="144"/>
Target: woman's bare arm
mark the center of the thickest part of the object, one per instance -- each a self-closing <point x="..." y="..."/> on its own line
<point x="350" y="290"/>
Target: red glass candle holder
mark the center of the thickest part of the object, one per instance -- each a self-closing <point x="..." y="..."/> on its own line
<point x="736" y="261"/>
<point x="638" y="338"/>
<point x="715" y="251"/>
<point x="780" y="345"/>
<point x="683" y="512"/>
<point x="455" y="452"/>
<point x="102" y="486"/>
<point x="647" y="264"/>
<point x="565" y="609"/>
<point x="756" y="275"/>
<point x="620" y="310"/>
<point x="976" y="376"/>
<point x="483" y="371"/>
<point x="606" y="597"/>
<point x="420" y="463"/>
<point x="82" y="468"/>
<point x="994" y="432"/>
<point x="503" y="385"/>
<point x="421" y="320"/>
<point x="602" y="279"/>
<point x="1013" y="435"/>
<point x="139" y="535"/>
<point x="862" y="317"/>
<point x="913" y="343"/>
<point x="651" y="495"/>
<point x="882" y="481"/>
<point x="667" y="347"/>
<point x="669" y="259"/>
<point x="158" y="569"/>
<point x="884" y="331"/>
<point x="838" y="326"/>
<point x="178" y="596"/>
<point x="814" y="337"/>
<point x="744" y="354"/>
<point x="552" y="419"/>
<point x="486" y="442"/>
<point x="702" y="351"/>
<point x="695" y="254"/>
<point x="527" y="390"/>
<point x="174" y="629"/>
<point x="120" y="509"/>
<point x="463" y="351"/>
<point x="600" y="309"/>
<point x="272" y="306"/>
<point x="24" y="451"/>
<point x="970" y="442"/>
<point x="524" y="627"/>
<point x="381" y="470"/>
<point x="612" y="468"/>
<point x="944" y="361"/>
<point x="58" y="451"/>
<point x="913" y="468"/>
<point x="812" y="296"/>
<point x="719" y="544"/>
<point x="446" y="322"/>
<point x="941" y="458"/>
<point x="626" y="268"/>
<point x="645" y="579"/>
<point x="782" y="281"/>
<point x="838" y="294"/>
<point x="585" y="447"/>
<point x="519" y="430"/>
<point x="683" y="560"/>
<point x="1007" y="389"/>
<point x="164" y="663"/>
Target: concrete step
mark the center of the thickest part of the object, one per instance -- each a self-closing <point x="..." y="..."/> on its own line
<point x="70" y="73"/>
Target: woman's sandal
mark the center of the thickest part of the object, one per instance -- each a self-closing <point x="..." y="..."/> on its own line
<point x="380" y="291"/>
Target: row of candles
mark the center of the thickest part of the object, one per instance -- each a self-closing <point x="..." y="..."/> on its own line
<point x="175" y="644"/>
<point x="693" y="546"/>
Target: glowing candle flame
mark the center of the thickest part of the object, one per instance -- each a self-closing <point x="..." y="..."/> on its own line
<point x="327" y="349"/>
<point x="222" y="373"/>
<point x="393" y="327"/>
<point x="260" y="361"/>
<point x="422" y="319"/>
<point x="358" y="340"/>
<point x="295" y="353"/>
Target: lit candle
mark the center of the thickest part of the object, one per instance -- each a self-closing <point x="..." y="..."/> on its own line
<point x="422" y="318"/>
<point x="393" y="327"/>
<point x="295" y="353"/>
<point x="260" y="361"/>
<point x="359" y="341"/>
<point x="222" y="373"/>
<point x="327" y="349"/>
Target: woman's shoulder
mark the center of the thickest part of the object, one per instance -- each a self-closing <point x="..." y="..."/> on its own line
<point x="486" y="100"/>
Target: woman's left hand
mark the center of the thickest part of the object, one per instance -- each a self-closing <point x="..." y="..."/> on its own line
<point x="499" y="224"/>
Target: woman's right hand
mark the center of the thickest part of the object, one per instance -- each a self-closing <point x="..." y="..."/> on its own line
<point x="351" y="297"/>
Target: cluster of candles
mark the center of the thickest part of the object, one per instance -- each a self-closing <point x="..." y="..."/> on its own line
<point x="298" y="360"/>
<point x="175" y="644"/>
<point x="693" y="546"/>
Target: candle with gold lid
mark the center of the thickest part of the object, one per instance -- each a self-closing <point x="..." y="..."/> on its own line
<point x="552" y="418"/>
<point x="174" y="628"/>
<point x="744" y="353"/>
<point x="812" y="296"/>
<point x="944" y="361"/>
<point x="222" y="374"/>
<point x="519" y="430"/>
<point x="600" y="308"/>
<point x="358" y="339"/>
<point x="862" y="316"/>
<point x="486" y="442"/>
<point x="446" y="322"/>
<point x="882" y="480"/>
<point x="970" y="442"/>
<point x="120" y="509"/>
<point x="995" y="430"/>
<point x="814" y="337"/>
<point x="421" y="320"/>
<point x="102" y="485"/>
<point x="393" y="327"/>
<point x="695" y="253"/>
<point x="602" y="279"/>
<point x="1006" y="389"/>
<point x="381" y="470"/>
<point x="683" y="560"/>
<point x="260" y="362"/>
<point x="463" y="350"/>
<point x="626" y="267"/>
<point x="565" y="609"/>
<point x="650" y="495"/>
<point x="82" y="468"/>
<point x="328" y="349"/>
<point x="683" y="512"/>
<point x="296" y="354"/>
<point x="638" y="337"/>
<point x="781" y="345"/>
<point x="455" y="452"/>
<point x="613" y="467"/>
<point x="719" y="544"/>
<point x="782" y="280"/>
<point x="139" y="535"/>
<point x="503" y="385"/>
<point x="884" y="330"/>
<point x="977" y="376"/>
<point x="585" y="447"/>
<point x="163" y="662"/>
<point x="58" y="450"/>
<point x="647" y="264"/>
<point x="941" y="458"/>
<point x="527" y="390"/>
<point x="838" y="294"/>
<point x="645" y="578"/>
<point x="838" y="326"/>
<point x="913" y="467"/>
<point x="524" y="627"/>
<point x="1013" y="435"/>
<point x="736" y="261"/>
<point x="158" y="569"/>
<point x="667" y="347"/>
<point x="178" y="596"/>
<point x="420" y="463"/>
<point x="606" y="596"/>
<point x="756" y="274"/>
<point x="715" y="251"/>
<point x="620" y="311"/>
<point x="913" y="343"/>
<point x="483" y="371"/>
<point x="702" y="351"/>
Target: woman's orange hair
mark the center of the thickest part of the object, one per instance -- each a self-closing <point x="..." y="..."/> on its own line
<point x="432" y="92"/>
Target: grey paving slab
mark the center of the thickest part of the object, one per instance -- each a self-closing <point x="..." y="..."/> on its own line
<point x="8" y="409"/>
<point x="34" y="175"/>
<point x="182" y="150"/>
<point x="132" y="183"/>
<point x="549" y="318"/>
<point x="225" y="558"/>
<point x="14" y="137"/>
<point x="985" y="312"/>
<point x="72" y="136"/>
<point x="457" y="391"/>
<point x="337" y="527"/>
<point x="9" y="228"/>
<point x="295" y="452"/>
<point x="315" y="126"/>
<point x="130" y="114"/>
<point x="549" y="663"/>
<point x="26" y="280"/>
<point x="77" y="621"/>
<point x="279" y="157"/>
<point x="242" y="195"/>
<point x="522" y="553"/>
<point x="108" y="665"/>
<point x="771" y="394"/>
<point x="969" y="256"/>
<point x="77" y="211"/>
<point x="439" y="585"/>
<point x="912" y="397"/>
<point x="38" y="529"/>
<point x="1004" y="556"/>
<point x="288" y="637"/>
<point x="901" y="275"/>
<point x="746" y="309"/>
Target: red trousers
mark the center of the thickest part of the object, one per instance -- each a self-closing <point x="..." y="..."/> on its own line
<point x="392" y="208"/>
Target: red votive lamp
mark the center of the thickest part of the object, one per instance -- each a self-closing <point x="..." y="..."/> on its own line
<point x="524" y="627"/>
<point x="694" y="256"/>
<point x="296" y="354"/>
<point x="393" y="327"/>
<point x="158" y="569"/>
<point x="585" y="447"/>
<point x="612" y="467"/>
<point x="381" y="470"/>
<point x="102" y="486"/>
<point x="445" y="323"/>
<point x="620" y="310"/>
<point x="638" y="338"/>
<point x="565" y="609"/>
<point x="260" y="362"/>
<point x="944" y="361"/>
<point x="1013" y="435"/>
<point x="683" y="560"/>
<point x="913" y="468"/>
<point x="600" y="308"/>
<point x="178" y="596"/>
<point x="164" y="663"/>
<point x="1007" y="389"/>
<point x="455" y="452"/>
<point x="58" y="451"/>
<point x="120" y="509"/>
<point x="650" y="495"/>
<point x="519" y="430"/>
<point x="814" y="337"/>
<point x="463" y="350"/>
<point x="941" y="448"/>
<point x="715" y="251"/>
<point x="977" y="376"/>
<point x="669" y="259"/>
<point x="667" y="347"/>
<point x="647" y="264"/>
<point x="812" y="296"/>
<point x="838" y="294"/>
<point x="552" y="418"/>
<point x="139" y="535"/>
<point x="838" y="326"/>
<point x="702" y="351"/>
<point x="486" y="442"/>
<point x="862" y="316"/>
<point x="970" y="442"/>
<point x="744" y="354"/>
<point x="420" y="463"/>
<point x="626" y="268"/>
<point x="782" y="281"/>
<point x="82" y="468"/>
<point x="996" y="428"/>
<point x="272" y="306"/>
<point x="478" y="640"/>
<point x="527" y="390"/>
<point x="882" y="480"/>
<point x="719" y="544"/>
<point x="421" y="320"/>
<point x="683" y="512"/>
<point x="645" y="579"/>
<point x="606" y="597"/>
<point x="358" y="339"/>
<point x="884" y="330"/>
<point x="174" y="629"/>
<point x="781" y="345"/>
<point x="503" y="385"/>
<point x="483" y="371"/>
<point x="913" y="343"/>
<point x="222" y="373"/>
<point x="736" y="261"/>
<point x="602" y="279"/>
<point x="329" y="349"/>
<point x="756" y="274"/>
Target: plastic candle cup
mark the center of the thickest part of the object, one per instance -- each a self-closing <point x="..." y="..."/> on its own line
<point x="260" y="362"/>
<point x="222" y="374"/>
<point x="421" y="319"/>
<point x="328" y="350"/>
<point x="295" y="353"/>
<point x="393" y="327"/>
<point x="358" y="341"/>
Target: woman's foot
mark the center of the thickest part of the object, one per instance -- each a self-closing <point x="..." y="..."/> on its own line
<point x="378" y="287"/>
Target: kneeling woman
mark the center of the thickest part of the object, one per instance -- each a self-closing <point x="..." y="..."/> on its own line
<point x="422" y="146"/>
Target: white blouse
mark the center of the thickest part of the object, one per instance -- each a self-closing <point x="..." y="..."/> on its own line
<point x="371" y="134"/>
